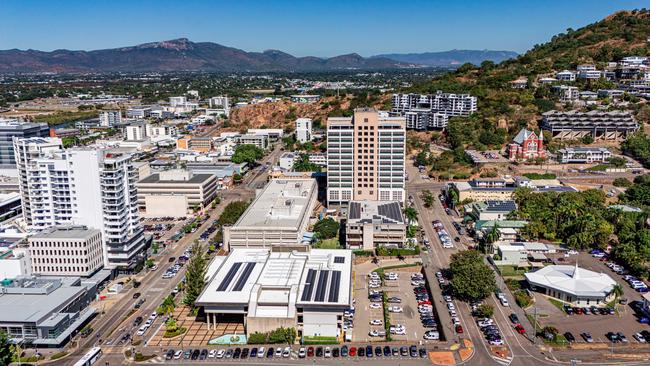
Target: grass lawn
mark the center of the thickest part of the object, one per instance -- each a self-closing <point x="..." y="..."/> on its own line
<point x="329" y="244"/>
<point x="511" y="271"/>
<point x="380" y="271"/>
<point x="557" y="303"/>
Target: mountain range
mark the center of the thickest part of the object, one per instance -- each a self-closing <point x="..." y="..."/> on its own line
<point x="451" y="58"/>
<point x="184" y="55"/>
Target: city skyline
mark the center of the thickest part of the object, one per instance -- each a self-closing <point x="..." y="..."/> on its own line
<point x="300" y="29"/>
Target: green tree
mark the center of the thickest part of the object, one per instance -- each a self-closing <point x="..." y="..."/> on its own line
<point x="617" y="290"/>
<point x="471" y="278"/>
<point x="303" y="164"/>
<point x="622" y="182"/>
<point x="6" y="349"/>
<point x="326" y="228"/>
<point x="247" y="153"/>
<point x="492" y="237"/>
<point x="195" y="275"/>
<point x="411" y="214"/>
<point x="428" y="198"/>
<point x="484" y="311"/>
<point x="588" y="139"/>
<point x="167" y="307"/>
<point x="617" y="161"/>
<point x="232" y="212"/>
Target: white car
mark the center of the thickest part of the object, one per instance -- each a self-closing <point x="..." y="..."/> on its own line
<point x="455" y="320"/>
<point x="287" y="352"/>
<point x="447" y="298"/>
<point x="451" y="306"/>
<point x="375" y="305"/>
<point x="373" y="333"/>
<point x="373" y="285"/>
<point x="432" y="336"/>
<point x="302" y="353"/>
<point x="278" y="352"/>
<point x="212" y="353"/>
<point x="220" y="353"/>
<point x="639" y="338"/>
<point x="178" y="354"/>
<point x="376" y="322"/>
<point x="452" y="313"/>
<point x="328" y="352"/>
<point x="496" y="342"/>
<point x="504" y="302"/>
<point x="153" y="316"/>
<point x="142" y="331"/>
<point x="417" y="283"/>
<point x="261" y="353"/>
<point x="400" y="331"/>
<point x="395" y="309"/>
<point x="485" y="322"/>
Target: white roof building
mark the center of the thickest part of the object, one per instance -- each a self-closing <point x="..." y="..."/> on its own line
<point x="305" y="290"/>
<point x="572" y="284"/>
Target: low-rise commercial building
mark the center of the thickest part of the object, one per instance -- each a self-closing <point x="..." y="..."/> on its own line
<point x="175" y="193"/>
<point x="277" y="216"/>
<point x="572" y="284"/>
<point x="15" y="262"/>
<point x="44" y="312"/>
<point x="200" y="144"/>
<point x="490" y="210"/>
<point x="372" y="224"/>
<point x="582" y="155"/>
<point x="268" y="289"/>
<point x="261" y="140"/>
<point x="66" y="251"/>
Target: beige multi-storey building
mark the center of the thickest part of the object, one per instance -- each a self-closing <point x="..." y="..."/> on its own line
<point x="372" y="224"/>
<point x="66" y="251"/>
<point x="174" y="193"/>
<point x="365" y="158"/>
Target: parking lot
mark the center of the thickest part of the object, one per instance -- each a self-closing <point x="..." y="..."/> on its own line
<point x="598" y="325"/>
<point x="403" y="314"/>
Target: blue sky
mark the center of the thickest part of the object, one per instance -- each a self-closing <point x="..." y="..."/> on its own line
<point x="318" y="28"/>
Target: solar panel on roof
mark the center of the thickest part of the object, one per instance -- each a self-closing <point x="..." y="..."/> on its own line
<point x="309" y="285"/>
<point x="322" y="286"/>
<point x="229" y="276"/>
<point x="239" y="285"/>
<point x="334" y="287"/>
<point x="339" y="259"/>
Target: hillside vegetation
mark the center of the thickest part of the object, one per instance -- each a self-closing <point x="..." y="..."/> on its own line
<point x="502" y="110"/>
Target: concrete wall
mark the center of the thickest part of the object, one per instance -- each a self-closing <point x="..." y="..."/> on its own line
<point x="320" y="324"/>
<point x="257" y="324"/>
<point x="166" y="206"/>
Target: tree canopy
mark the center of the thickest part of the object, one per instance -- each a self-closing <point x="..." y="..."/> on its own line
<point x="247" y="153"/>
<point x="232" y="212"/>
<point x="195" y="275"/>
<point x="471" y="278"/>
<point x="326" y="228"/>
<point x="303" y="164"/>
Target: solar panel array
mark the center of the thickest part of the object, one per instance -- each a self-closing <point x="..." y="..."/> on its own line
<point x="309" y="285"/>
<point x="334" y="287"/>
<point x="246" y="273"/>
<point x="322" y="285"/>
<point x="354" y="211"/>
<point x="391" y="210"/>
<point x="339" y="259"/>
<point x="229" y="276"/>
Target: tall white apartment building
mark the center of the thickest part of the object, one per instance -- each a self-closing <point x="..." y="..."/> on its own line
<point x="221" y="103"/>
<point x="303" y="130"/>
<point x="91" y="187"/>
<point x="110" y="118"/>
<point x="177" y="101"/>
<point x="136" y="131"/>
<point x="424" y="111"/>
<point x="365" y="157"/>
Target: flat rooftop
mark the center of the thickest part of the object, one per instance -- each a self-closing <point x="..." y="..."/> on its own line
<point x="270" y="281"/>
<point x="34" y="307"/>
<point x="195" y="179"/>
<point x="68" y="232"/>
<point x="281" y="204"/>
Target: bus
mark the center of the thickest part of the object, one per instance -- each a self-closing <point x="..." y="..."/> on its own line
<point x="90" y="358"/>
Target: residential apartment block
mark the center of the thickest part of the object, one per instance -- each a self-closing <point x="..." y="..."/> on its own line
<point x="82" y="186"/>
<point x="12" y="128"/>
<point x="424" y="111"/>
<point x="303" y="130"/>
<point x="365" y="158"/>
<point x="110" y="118"/>
<point x="66" y="251"/>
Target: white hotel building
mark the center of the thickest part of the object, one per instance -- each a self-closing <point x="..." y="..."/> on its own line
<point x="424" y="111"/>
<point x="91" y="187"/>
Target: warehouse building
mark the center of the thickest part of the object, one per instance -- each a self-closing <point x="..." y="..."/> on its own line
<point x="267" y="289"/>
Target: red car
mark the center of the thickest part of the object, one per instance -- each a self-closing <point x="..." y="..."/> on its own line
<point x="424" y="302"/>
<point x="459" y="329"/>
<point x="310" y="352"/>
<point x="352" y="352"/>
<point x="520" y="329"/>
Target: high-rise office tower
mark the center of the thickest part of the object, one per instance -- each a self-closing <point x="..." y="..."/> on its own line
<point x="10" y="128"/>
<point x="365" y="157"/>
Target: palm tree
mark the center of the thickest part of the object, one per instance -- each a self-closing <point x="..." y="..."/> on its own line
<point x="492" y="236"/>
<point x="411" y="214"/>
<point x="617" y="290"/>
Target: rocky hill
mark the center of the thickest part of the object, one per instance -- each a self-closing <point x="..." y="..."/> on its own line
<point x="179" y="55"/>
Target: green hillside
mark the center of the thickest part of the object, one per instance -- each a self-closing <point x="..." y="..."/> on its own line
<point x="502" y="110"/>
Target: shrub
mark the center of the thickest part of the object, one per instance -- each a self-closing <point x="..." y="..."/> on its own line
<point x="522" y="299"/>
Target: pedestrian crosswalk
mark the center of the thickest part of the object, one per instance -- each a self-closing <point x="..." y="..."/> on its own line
<point x="503" y="361"/>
